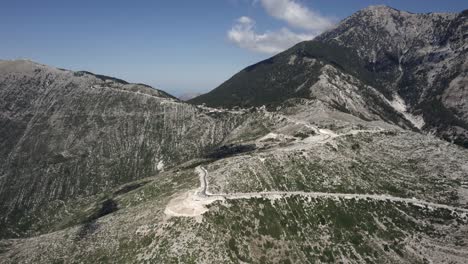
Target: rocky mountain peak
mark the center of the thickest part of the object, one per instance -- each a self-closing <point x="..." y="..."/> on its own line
<point x="389" y="29"/>
<point x="379" y="9"/>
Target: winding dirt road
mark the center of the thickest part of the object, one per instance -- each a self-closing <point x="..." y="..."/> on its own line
<point x="193" y="203"/>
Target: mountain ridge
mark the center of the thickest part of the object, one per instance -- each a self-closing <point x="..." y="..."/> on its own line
<point x="102" y="77"/>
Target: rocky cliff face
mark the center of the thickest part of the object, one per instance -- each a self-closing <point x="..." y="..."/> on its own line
<point x="415" y="62"/>
<point x="67" y="134"/>
<point x="420" y="57"/>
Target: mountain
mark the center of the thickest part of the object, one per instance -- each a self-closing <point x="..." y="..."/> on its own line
<point x="317" y="155"/>
<point x="399" y="66"/>
<point x="65" y="135"/>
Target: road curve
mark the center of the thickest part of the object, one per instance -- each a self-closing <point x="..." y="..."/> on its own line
<point x="204" y="192"/>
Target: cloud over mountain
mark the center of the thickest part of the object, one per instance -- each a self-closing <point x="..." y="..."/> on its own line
<point x="295" y="14"/>
<point x="243" y="34"/>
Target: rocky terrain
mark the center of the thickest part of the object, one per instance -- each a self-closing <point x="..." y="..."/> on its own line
<point x="66" y="135"/>
<point x="322" y="154"/>
<point x="306" y="190"/>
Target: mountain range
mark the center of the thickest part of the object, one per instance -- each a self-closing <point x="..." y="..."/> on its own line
<point x="349" y="148"/>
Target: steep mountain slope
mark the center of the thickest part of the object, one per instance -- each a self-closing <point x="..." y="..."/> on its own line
<point x="415" y="65"/>
<point x="420" y="57"/>
<point x="65" y="135"/>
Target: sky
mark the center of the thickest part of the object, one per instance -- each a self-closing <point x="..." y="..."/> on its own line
<point x="180" y="46"/>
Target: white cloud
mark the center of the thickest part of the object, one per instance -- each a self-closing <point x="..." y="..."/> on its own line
<point x="293" y="13"/>
<point x="243" y="34"/>
<point x="296" y="15"/>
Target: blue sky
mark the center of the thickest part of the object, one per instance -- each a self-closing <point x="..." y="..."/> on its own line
<point x="175" y="45"/>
